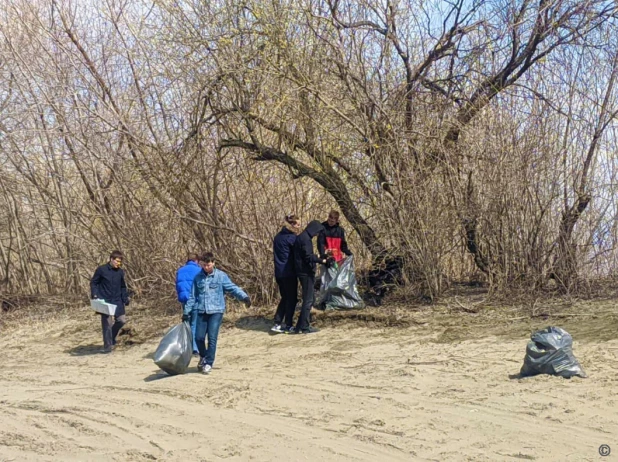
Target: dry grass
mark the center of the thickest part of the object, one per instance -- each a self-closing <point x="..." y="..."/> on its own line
<point x="466" y="313"/>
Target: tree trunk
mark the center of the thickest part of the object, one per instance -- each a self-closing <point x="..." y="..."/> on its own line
<point x="565" y="264"/>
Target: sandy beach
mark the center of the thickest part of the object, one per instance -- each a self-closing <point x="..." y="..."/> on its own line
<point x="349" y="392"/>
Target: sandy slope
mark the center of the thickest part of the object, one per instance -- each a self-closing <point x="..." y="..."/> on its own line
<point x="342" y="394"/>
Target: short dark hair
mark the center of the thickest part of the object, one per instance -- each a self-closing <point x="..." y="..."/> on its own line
<point x="207" y="257"/>
<point x="192" y="256"/>
<point x="334" y="213"/>
<point x="116" y="254"/>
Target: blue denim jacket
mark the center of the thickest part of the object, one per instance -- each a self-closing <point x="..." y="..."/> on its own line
<point x="208" y="292"/>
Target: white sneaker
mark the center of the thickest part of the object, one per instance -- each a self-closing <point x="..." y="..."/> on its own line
<point x="206" y="369"/>
<point x="277" y="328"/>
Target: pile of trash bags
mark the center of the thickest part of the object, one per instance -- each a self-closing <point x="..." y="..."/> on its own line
<point x="338" y="289"/>
<point x="174" y="353"/>
<point x="550" y="351"/>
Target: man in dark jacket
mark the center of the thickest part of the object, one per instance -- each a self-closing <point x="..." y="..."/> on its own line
<point x="305" y="264"/>
<point x="108" y="284"/>
<point x="285" y="274"/>
<point x="331" y="240"/>
<point x="184" y="281"/>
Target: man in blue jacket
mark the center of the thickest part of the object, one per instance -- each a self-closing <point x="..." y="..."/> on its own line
<point x="184" y="280"/>
<point x="285" y="274"/>
<point x="108" y="284"/>
<point x="208" y="299"/>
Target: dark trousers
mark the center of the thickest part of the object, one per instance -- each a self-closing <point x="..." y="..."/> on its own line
<point x="307" y="282"/>
<point x="193" y="324"/>
<point x="111" y="331"/>
<point x="208" y="325"/>
<point x="288" y="289"/>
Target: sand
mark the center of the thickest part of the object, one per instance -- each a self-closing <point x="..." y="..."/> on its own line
<point x="346" y="393"/>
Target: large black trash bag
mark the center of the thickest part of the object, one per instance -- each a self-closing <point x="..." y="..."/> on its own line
<point x="173" y="354"/>
<point x="338" y="288"/>
<point x="550" y="352"/>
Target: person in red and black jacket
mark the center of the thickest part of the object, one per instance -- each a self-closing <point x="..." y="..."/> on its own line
<point x="331" y="241"/>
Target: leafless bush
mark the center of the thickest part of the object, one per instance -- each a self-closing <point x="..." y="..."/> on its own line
<point x="464" y="138"/>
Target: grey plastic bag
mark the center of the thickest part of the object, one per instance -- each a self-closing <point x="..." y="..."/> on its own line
<point x="174" y="352"/>
<point x="338" y="288"/>
<point x="550" y="352"/>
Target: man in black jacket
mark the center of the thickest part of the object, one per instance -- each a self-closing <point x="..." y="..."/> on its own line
<point x="108" y="284"/>
<point x="305" y="264"/>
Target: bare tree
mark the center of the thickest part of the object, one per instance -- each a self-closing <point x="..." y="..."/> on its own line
<point x="450" y="135"/>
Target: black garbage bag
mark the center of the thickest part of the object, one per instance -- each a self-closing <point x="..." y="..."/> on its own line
<point x="338" y="290"/>
<point x="174" y="352"/>
<point x="550" y="351"/>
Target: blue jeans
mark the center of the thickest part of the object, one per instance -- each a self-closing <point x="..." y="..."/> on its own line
<point x="208" y="325"/>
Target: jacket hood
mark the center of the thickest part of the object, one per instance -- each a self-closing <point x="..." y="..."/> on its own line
<point x="314" y="228"/>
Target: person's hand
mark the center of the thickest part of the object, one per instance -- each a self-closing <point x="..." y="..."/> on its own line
<point x="185" y="318"/>
<point x="126" y="303"/>
<point x="247" y="302"/>
<point x="330" y="262"/>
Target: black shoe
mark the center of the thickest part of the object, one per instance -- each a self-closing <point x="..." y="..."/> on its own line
<point x="309" y="330"/>
<point x="107" y="350"/>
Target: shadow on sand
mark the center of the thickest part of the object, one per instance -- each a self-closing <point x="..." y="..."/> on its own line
<point x="255" y="323"/>
<point x="86" y="350"/>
